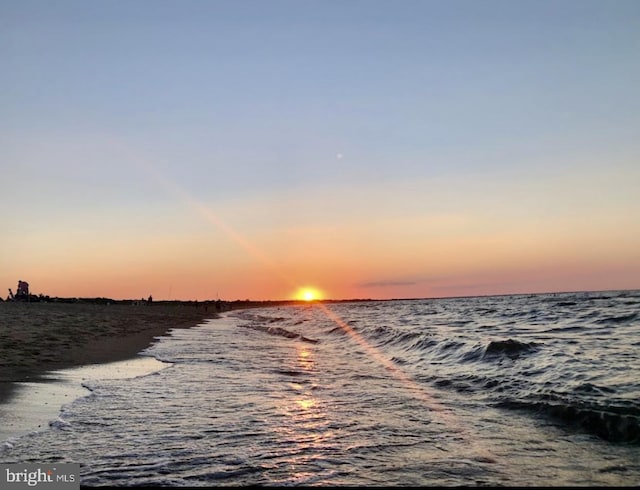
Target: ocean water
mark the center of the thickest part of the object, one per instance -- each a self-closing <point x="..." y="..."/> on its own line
<point x="501" y="391"/>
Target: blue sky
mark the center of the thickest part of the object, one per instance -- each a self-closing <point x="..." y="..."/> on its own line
<point x="118" y="110"/>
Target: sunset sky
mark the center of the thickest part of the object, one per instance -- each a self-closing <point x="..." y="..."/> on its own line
<point x="370" y="149"/>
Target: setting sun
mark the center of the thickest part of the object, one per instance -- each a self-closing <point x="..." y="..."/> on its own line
<point x="308" y="294"/>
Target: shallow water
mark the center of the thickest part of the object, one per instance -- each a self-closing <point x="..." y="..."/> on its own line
<point x="34" y="404"/>
<point x="513" y="390"/>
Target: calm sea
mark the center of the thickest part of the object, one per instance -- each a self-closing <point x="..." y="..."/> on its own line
<point x="510" y="390"/>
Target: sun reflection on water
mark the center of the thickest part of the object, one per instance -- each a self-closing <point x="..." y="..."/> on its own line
<point x="306" y="404"/>
<point x="305" y="358"/>
<point x="305" y="426"/>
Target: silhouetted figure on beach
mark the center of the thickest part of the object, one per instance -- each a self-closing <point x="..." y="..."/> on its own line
<point x="150" y="300"/>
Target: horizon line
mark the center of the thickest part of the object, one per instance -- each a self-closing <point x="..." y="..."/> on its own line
<point x="321" y="300"/>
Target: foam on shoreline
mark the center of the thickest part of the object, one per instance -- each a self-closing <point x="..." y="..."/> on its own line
<point x="36" y="404"/>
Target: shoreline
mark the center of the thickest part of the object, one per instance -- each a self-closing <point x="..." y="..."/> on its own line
<point x="36" y="405"/>
<point x="36" y="338"/>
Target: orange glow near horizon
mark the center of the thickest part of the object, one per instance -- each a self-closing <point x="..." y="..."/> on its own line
<point x="417" y="256"/>
<point x="309" y="294"/>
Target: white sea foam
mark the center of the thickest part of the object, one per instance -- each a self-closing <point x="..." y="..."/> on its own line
<point x="35" y="405"/>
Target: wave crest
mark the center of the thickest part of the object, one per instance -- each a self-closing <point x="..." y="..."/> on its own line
<point x="510" y="348"/>
<point x="613" y="426"/>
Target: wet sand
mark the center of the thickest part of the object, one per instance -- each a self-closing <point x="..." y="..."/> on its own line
<point x="36" y="338"/>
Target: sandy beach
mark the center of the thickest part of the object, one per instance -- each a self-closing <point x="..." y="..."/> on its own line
<point x="40" y="337"/>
